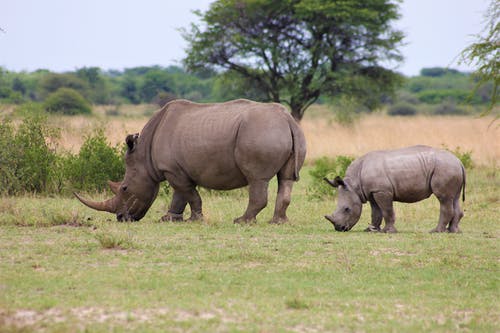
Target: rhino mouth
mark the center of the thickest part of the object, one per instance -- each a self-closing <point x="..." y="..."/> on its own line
<point x="126" y="218"/>
<point x="337" y="227"/>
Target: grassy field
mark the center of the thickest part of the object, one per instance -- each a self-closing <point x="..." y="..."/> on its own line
<point x="66" y="268"/>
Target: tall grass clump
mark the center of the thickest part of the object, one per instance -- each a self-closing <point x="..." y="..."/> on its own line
<point x="326" y="167"/>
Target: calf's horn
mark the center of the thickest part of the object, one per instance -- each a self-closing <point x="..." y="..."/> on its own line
<point x="107" y="206"/>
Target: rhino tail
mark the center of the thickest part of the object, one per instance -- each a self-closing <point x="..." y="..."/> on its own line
<point x="298" y="147"/>
<point x="463" y="183"/>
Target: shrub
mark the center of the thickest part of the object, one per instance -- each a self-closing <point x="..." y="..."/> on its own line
<point x="448" y="109"/>
<point x="402" y="110"/>
<point x="327" y="167"/>
<point x="26" y="156"/>
<point x="464" y="156"/>
<point x="96" y="163"/>
<point x="67" y="101"/>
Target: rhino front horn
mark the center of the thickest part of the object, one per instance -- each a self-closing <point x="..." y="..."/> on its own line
<point x="107" y="206"/>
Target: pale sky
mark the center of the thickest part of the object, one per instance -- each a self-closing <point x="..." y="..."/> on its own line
<point x="63" y="35"/>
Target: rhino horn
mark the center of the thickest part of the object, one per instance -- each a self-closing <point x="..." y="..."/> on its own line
<point x="107" y="206"/>
<point x="114" y="186"/>
<point x="336" y="182"/>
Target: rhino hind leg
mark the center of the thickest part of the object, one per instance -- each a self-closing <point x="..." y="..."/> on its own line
<point x="257" y="200"/>
<point x="283" y="200"/>
<point x="458" y="214"/>
<point x="446" y="214"/>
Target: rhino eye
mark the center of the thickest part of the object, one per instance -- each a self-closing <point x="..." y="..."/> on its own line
<point x="347" y="210"/>
<point x="124" y="188"/>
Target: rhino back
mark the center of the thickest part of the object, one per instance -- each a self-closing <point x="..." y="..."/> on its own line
<point x="406" y="172"/>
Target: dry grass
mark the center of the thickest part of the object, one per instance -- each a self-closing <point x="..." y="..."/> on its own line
<point x="376" y="131"/>
<point x="326" y="137"/>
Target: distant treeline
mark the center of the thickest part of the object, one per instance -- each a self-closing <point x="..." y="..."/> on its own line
<point x="440" y="89"/>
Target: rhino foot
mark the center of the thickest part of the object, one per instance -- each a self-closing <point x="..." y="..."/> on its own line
<point x="454" y="230"/>
<point x="372" y="228"/>
<point x="172" y="217"/>
<point x="390" y="229"/>
<point x="278" y="220"/>
<point x="195" y="217"/>
<point x="243" y="220"/>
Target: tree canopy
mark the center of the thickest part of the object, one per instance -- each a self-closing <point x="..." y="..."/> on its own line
<point x="484" y="53"/>
<point x="294" y="51"/>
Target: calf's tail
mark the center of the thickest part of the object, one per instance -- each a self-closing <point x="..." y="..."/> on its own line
<point x="463" y="183"/>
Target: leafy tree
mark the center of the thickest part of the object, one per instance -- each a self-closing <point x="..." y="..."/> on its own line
<point x="293" y="51"/>
<point x="51" y="82"/>
<point x="484" y="53"/>
<point x="155" y="82"/>
<point x="437" y="71"/>
<point x="98" y="88"/>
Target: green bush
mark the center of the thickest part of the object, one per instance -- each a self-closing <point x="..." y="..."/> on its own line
<point x="326" y="167"/>
<point x="402" y="110"/>
<point x="67" y="101"/>
<point x="464" y="156"/>
<point x="448" y="109"/>
<point x="96" y="163"/>
<point x="439" y="96"/>
<point x="26" y="156"/>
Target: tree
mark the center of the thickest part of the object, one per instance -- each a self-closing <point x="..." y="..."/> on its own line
<point x="155" y="82"/>
<point x="293" y="51"/>
<point x="484" y="53"/>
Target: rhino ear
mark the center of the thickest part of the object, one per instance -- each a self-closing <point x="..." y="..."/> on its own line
<point x="131" y="141"/>
<point x="336" y="182"/>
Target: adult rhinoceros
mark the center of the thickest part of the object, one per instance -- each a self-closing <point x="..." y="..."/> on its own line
<point x="405" y="175"/>
<point x="219" y="146"/>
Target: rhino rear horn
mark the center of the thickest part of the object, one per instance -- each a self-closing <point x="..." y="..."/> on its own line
<point x="106" y="206"/>
<point x="336" y="182"/>
<point x="114" y="186"/>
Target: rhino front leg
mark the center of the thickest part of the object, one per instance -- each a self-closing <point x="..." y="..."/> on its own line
<point x="194" y="200"/>
<point x="384" y="201"/>
<point x="257" y="200"/>
<point x="176" y="208"/>
<point x="283" y="200"/>
<point x="376" y="218"/>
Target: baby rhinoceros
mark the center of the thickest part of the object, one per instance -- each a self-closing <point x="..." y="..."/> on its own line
<point x="405" y="175"/>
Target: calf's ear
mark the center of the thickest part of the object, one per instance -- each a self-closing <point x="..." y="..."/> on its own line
<point x="336" y="182"/>
<point x="131" y="141"/>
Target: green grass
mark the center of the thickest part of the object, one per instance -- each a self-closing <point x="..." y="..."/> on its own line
<point x="66" y="268"/>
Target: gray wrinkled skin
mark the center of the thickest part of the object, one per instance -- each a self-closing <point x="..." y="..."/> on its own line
<point x="405" y="175"/>
<point x="219" y="146"/>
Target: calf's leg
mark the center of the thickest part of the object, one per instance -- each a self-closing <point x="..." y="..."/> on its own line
<point x="384" y="201"/>
<point x="376" y="217"/>
<point x="458" y="214"/>
<point x="446" y="214"/>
